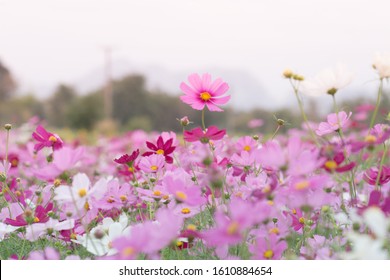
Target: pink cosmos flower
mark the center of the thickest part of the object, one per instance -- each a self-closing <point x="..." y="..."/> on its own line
<point x="46" y="139"/>
<point x="152" y="163"/>
<point x="333" y="123"/>
<point x="203" y="92"/>
<point x="182" y="191"/>
<point x="40" y="216"/>
<point x="371" y="176"/>
<point x="246" y="143"/>
<point x="197" y="134"/>
<point x="268" y="249"/>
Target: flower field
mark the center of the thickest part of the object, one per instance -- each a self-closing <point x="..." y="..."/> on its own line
<point x="318" y="192"/>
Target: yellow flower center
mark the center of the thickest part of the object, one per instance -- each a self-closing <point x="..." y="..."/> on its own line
<point x="274" y="230"/>
<point x="157" y="193"/>
<point x="73" y="236"/>
<point x="181" y="196"/>
<point x="247" y="148"/>
<point x="270" y="202"/>
<point x="191" y="227"/>
<point x="128" y="251"/>
<point x="160" y="152"/>
<point x="130" y="169"/>
<point x="268" y="254"/>
<point x="57" y="182"/>
<point x="166" y="197"/>
<point x="179" y="243"/>
<point x="302" y="220"/>
<point x="14" y="162"/>
<point x="110" y="199"/>
<point x="18" y="193"/>
<point x="154" y="167"/>
<point x="36" y="220"/>
<point x="233" y="228"/>
<point x="185" y="211"/>
<point x="370" y="139"/>
<point x="86" y="206"/>
<point x="294" y="211"/>
<point x="205" y="96"/>
<point x="82" y="192"/>
<point x="302" y="185"/>
<point x="331" y="164"/>
<point x="52" y="139"/>
<point x="123" y="198"/>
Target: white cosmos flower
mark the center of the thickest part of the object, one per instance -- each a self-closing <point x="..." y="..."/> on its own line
<point x="364" y="247"/>
<point x="80" y="191"/>
<point x="382" y="64"/>
<point x="376" y="220"/>
<point x="329" y="81"/>
<point x="4" y="229"/>
<point x="34" y="231"/>
<point x="99" y="239"/>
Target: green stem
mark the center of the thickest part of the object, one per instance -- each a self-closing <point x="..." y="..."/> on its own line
<point x="378" y="101"/>
<point x="276" y="131"/>
<point x="203" y="125"/>
<point x="305" y="119"/>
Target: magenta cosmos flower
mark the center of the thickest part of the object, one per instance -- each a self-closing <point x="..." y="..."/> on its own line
<point x="203" y="92"/>
<point x="197" y="134"/>
<point x="162" y="147"/>
<point x="46" y="139"/>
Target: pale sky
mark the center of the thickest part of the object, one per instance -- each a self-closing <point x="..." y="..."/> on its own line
<point x="45" y="42"/>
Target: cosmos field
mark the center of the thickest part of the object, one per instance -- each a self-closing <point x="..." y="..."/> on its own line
<point x="317" y="192"/>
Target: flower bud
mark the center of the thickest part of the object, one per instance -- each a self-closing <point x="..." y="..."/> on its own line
<point x="8" y="126"/>
<point x="288" y="73"/>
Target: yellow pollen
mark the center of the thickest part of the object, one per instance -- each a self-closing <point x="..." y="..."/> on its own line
<point x="331" y="164"/>
<point x="18" y="193"/>
<point x="274" y="230"/>
<point x="302" y="185"/>
<point x="36" y="220"/>
<point x="179" y="243"/>
<point x="82" y="192"/>
<point x="157" y="193"/>
<point x="268" y="254"/>
<point x="185" y="211"/>
<point x="266" y="189"/>
<point x="166" y="197"/>
<point x="181" y="196"/>
<point x="270" y="202"/>
<point x="233" y="228"/>
<point x="294" y="211"/>
<point x="86" y="206"/>
<point x="52" y="139"/>
<point x="302" y="220"/>
<point x="14" y="162"/>
<point x="130" y="169"/>
<point x="123" y="198"/>
<point x="370" y="139"/>
<point x="238" y="194"/>
<point x="191" y="227"/>
<point x="57" y="182"/>
<point x="73" y="236"/>
<point x="160" y="152"/>
<point x="128" y="251"/>
<point x="154" y="167"/>
<point x="205" y="96"/>
<point x="247" y="148"/>
<point x="110" y="199"/>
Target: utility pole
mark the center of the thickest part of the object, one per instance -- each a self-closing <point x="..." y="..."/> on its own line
<point x="108" y="86"/>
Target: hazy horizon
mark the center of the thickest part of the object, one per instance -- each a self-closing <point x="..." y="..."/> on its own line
<point x="45" y="42"/>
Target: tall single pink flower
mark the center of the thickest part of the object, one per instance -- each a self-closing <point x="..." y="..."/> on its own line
<point x="333" y="123"/>
<point x="203" y="92"/>
<point x="197" y="134"/>
<point x="46" y="139"/>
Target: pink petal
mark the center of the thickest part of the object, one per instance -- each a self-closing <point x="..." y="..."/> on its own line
<point x="221" y="89"/>
<point x="196" y="82"/>
<point x="222" y="100"/>
<point x="188" y="90"/>
<point x="213" y="108"/>
<point x="206" y="81"/>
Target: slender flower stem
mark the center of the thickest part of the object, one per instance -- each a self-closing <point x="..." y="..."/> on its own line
<point x="6" y="153"/>
<point x="381" y="166"/>
<point x="295" y="88"/>
<point x="378" y="101"/>
<point x="203" y="125"/>
<point x="276" y="131"/>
